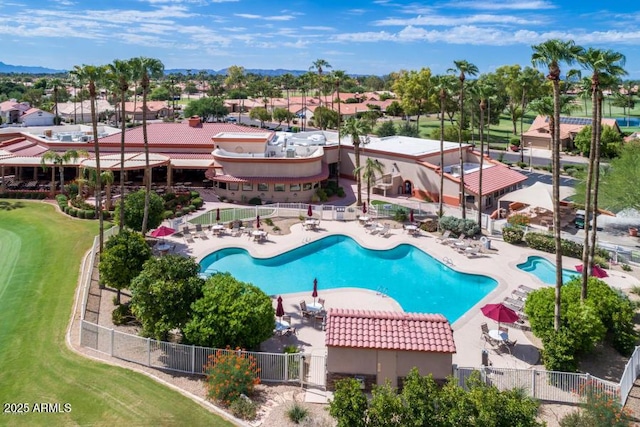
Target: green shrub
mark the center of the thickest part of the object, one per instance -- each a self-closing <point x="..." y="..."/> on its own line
<point x="322" y="195"/>
<point x="89" y="214"/>
<point x="512" y="234"/>
<point x="329" y="192"/>
<point x="121" y="314"/>
<point x="256" y="201"/>
<point x="546" y="243"/>
<point x="230" y="374"/>
<point x="185" y="210"/>
<point x="268" y="221"/>
<point x="626" y="267"/>
<point x="80" y="214"/>
<point x="73" y="212"/>
<point x="194" y="194"/>
<point x="297" y="413"/>
<point x="558" y="353"/>
<point x="167" y="215"/>
<point x="197" y="202"/>
<point x="400" y="215"/>
<point x="244" y="408"/>
<point x="518" y="219"/>
<point x="340" y="192"/>
<point x="192" y="208"/>
<point x="468" y="227"/>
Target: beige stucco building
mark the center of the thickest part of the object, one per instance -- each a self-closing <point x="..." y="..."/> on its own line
<point x="380" y="346"/>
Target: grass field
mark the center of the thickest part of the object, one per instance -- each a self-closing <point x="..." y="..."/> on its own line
<point x="40" y="256"/>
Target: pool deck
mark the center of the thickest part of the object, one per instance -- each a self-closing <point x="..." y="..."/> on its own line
<point x="498" y="262"/>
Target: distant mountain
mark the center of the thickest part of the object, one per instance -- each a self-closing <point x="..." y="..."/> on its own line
<point x="25" y="69"/>
<point x="261" y="72"/>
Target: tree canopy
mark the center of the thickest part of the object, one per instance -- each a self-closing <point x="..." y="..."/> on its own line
<point x="134" y="210"/>
<point x="230" y="313"/>
<point x="206" y="108"/>
<point x="162" y="295"/>
<point x="122" y="259"/>
<point x="613" y="191"/>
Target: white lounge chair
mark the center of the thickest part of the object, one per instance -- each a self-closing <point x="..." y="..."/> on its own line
<point x="472" y="251"/>
<point x="444" y="238"/>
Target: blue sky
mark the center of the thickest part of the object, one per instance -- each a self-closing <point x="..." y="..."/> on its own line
<point x="368" y="37"/>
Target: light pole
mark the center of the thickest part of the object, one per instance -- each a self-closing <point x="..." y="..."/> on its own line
<point x="530" y="156"/>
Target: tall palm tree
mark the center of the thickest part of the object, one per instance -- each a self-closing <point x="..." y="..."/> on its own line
<point x="145" y="70"/>
<point x="464" y="68"/>
<point x="370" y="171"/>
<point x="320" y="65"/>
<point x="94" y="75"/>
<point x="338" y="77"/>
<point x="607" y="65"/>
<point x="356" y="129"/>
<point x="56" y="84"/>
<point x="59" y="160"/>
<point x="443" y="85"/>
<point x="550" y="54"/>
<point x="106" y="177"/>
<point x="483" y="92"/>
<point x="121" y="73"/>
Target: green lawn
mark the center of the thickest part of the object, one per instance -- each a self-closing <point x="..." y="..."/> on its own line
<point x="40" y="257"/>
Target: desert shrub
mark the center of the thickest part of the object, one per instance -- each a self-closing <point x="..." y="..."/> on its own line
<point x="322" y="195"/>
<point x="244" y="408"/>
<point x="255" y="201"/>
<point x="340" y="192"/>
<point x="522" y="165"/>
<point x="430" y="225"/>
<point x="468" y="227"/>
<point x="121" y="314"/>
<point x="194" y="194"/>
<point x="167" y="215"/>
<point x="297" y="413"/>
<point x="230" y="374"/>
<point x="626" y="267"/>
<point x="400" y="215"/>
<point x="518" y="219"/>
<point x="512" y="234"/>
<point x="329" y="192"/>
<point x="598" y="409"/>
<point x="545" y="243"/>
<point x="197" y="202"/>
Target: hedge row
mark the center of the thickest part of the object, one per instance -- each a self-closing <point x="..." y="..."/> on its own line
<point x="468" y="227"/>
<point x="546" y="243"/>
<point x="38" y="195"/>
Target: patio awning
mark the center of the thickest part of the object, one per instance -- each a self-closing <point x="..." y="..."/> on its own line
<point x="191" y="163"/>
<point x="132" y="161"/>
<point x="537" y="195"/>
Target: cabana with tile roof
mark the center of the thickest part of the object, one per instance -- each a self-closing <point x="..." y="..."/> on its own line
<point x="376" y="346"/>
<point x="538" y="136"/>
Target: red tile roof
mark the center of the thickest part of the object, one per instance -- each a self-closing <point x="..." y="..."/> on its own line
<point x="493" y="179"/>
<point x="387" y="330"/>
<point x="179" y="133"/>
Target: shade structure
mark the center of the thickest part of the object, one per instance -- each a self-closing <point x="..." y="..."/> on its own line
<point x="596" y="271"/>
<point x="314" y="294"/>
<point x="500" y="313"/>
<point x="218" y="215"/>
<point x="364" y="207"/>
<point x="162" y="231"/>
<point x="279" y="308"/>
<point x="258" y="221"/>
<point x="309" y="211"/>
<point x="411" y="215"/>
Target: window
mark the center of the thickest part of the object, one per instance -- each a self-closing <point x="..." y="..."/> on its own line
<point x="263" y="187"/>
<point x="222" y="185"/>
<point x="247" y="186"/>
<point x="278" y="187"/>
<point x="234" y="186"/>
<point x="294" y="187"/>
<point x="306" y="186"/>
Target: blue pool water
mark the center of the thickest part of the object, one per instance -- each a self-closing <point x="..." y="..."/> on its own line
<point x="545" y="270"/>
<point x="631" y="121"/>
<point x="417" y="281"/>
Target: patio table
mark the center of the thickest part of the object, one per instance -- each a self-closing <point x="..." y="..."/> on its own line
<point x="498" y="335"/>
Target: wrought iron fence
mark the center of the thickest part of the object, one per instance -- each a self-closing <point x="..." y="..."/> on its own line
<point x="553" y="386"/>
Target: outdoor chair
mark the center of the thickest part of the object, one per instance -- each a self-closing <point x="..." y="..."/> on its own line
<point x="287" y="318"/>
<point x="484" y="328"/>
<point x="445" y="236"/>
<point x="303" y="309"/>
<point x="321" y="302"/>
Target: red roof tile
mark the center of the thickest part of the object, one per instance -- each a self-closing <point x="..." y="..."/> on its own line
<point x="388" y="330"/>
<point x="493" y="179"/>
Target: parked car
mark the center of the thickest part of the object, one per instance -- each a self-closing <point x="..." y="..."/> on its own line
<point x="580" y="217"/>
<point x="231" y="119"/>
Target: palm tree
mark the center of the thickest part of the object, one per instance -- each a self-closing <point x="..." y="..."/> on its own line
<point x="338" y="77"/>
<point x="443" y="86"/>
<point x="356" y="129"/>
<point x="464" y="68"/>
<point x="56" y="84"/>
<point x="483" y="92"/>
<point x="145" y="69"/>
<point x="287" y="80"/>
<point x="94" y="75"/>
<point x="370" y="170"/>
<point x="57" y="159"/>
<point x="550" y="54"/>
<point x="605" y="64"/>
<point x="319" y="65"/>
<point x="121" y="73"/>
<point x="106" y="177"/>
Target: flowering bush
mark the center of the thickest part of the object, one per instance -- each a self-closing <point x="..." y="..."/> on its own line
<point x="599" y="408"/>
<point x="230" y="374"/>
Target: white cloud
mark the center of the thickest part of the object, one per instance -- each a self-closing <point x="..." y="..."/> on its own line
<point x="440" y="20"/>
<point x="503" y="5"/>
<point x="317" y="28"/>
<point x="266" y="18"/>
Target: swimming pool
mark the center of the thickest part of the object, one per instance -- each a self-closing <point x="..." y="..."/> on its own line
<point x="417" y="281"/>
<point x="545" y="270"/>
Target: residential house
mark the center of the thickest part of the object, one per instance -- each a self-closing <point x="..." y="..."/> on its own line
<point x="538" y="136"/>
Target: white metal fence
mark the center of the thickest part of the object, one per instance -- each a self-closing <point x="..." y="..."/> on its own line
<point x="553" y="386"/>
<point x="629" y="376"/>
<point x="190" y="359"/>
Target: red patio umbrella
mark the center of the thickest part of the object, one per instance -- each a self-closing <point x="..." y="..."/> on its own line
<point x="364" y="207"/>
<point x="258" y="221"/>
<point x="162" y="231"/>
<point x="314" y="294"/>
<point x="309" y="211"/>
<point x="596" y="271"/>
<point x="500" y="313"/>
<point x="411" y="215"/>
<point x="280" y="308"/>
<point x="218" y="215"/>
